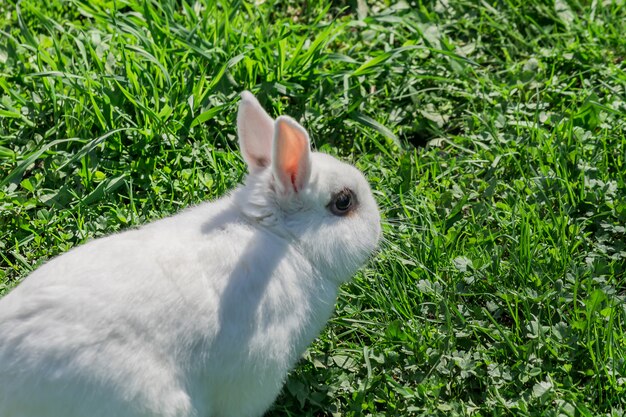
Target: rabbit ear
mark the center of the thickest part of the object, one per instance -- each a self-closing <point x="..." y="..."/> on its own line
<point x="256" y="130"/>
<point x="291" y="159"/>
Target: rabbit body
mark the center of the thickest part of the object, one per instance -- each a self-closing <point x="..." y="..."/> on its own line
<point x="189" y="336"/>
<point x="201" y="314"/>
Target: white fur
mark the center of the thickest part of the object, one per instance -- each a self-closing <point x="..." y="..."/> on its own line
<point x="197" y="315"/>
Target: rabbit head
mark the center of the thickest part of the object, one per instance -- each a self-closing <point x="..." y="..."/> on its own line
<point x="323" y="206"/>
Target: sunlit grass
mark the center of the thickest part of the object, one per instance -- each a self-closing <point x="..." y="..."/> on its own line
<point x="492" y="134"/>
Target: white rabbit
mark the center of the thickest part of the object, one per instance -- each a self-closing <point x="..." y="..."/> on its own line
<point x="201" y="314"/>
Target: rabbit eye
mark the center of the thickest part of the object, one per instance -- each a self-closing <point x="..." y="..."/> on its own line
<point x="342" y="202"/>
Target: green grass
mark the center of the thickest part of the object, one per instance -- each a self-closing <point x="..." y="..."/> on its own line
<point x="493" y="134"/>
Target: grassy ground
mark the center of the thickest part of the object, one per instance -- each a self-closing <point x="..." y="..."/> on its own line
<point x="500" y="289"/>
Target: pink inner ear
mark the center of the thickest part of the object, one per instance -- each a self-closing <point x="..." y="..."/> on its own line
<point x="291" y="154"/>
